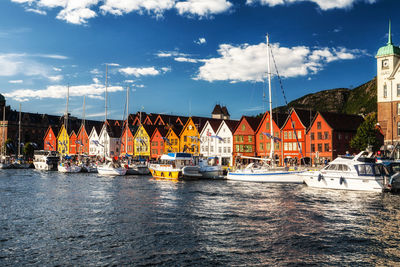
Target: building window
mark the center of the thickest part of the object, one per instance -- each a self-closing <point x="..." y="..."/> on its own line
<point x="285" y="135"/>
<point x="318" y="125"/>
<point x="326" y="148"/>
<point x="267" y="126"/>
<point x="290" y="135"/>
<point x="385" y="91"/>
<point x="319" y="147"/>
<point x="319" y="136"/>
<point x="312" y="136"/>
<point x="290" y="146"/>
<point x="398" y="89"/>
<point x="243" y="127"/>
<point x="268" y="146"/>
<point x="312" y="148"/>
<point x="261" y="146"/>
<point x="398" y="108"/>
<point x="285" y="146"/>
<point x="326" y="135"/>
<point x="250" y="138"/>
<point x="237" y="148"/>
<point x="261" y="136"/>
<point x="299" y="134"/>
<point x="398" y="129"/>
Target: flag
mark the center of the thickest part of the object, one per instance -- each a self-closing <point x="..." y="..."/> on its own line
<point x="96" y="142"/>
<point x="277" y="139"/>
<point x="218" y="137"/>
<point x="49" y="144"/>
<point x="79" y="142"/>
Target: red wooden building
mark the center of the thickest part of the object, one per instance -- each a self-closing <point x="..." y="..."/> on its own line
<point x="127" y="138"/>
<point x="244" y="143"/>
<point x="263" y="138"/>
<point x="329" y="135"/>
<point x="294" y="134"/>
<point x="72" y="143"/>
<point x="50" y="139"/>
<point x="82" y="144"/>
<point x="157" y="142"/>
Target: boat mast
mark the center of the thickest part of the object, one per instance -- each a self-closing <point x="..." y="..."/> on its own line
<point x="3" y="147"/>
<point x="19" y="131"/>
<point x="105" y="119"/>
<point x="127" y="118"/>
<point x="271" y="154"/>
<point x="66" y="116"/>
<point x="83" y="124"/>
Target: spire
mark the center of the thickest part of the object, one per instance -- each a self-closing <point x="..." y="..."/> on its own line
<point x="390" y="33"/>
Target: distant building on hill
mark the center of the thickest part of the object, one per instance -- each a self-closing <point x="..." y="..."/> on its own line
<point x="220" y="112"/>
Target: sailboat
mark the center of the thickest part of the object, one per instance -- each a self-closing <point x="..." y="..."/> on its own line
<point x="109" y="167"/>
<point x="264" y="170"/>
<point x="86" y="164"/>
<point x="19" y="162"/>
<point x="66" y="165"/>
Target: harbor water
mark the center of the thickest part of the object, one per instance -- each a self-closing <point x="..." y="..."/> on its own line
<point x="51" y="219"/>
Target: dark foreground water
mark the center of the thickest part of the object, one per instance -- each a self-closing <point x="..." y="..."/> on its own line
<point x="85" y="219"/>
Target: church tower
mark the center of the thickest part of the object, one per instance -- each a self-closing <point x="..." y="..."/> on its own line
<point x="388" y="90"/>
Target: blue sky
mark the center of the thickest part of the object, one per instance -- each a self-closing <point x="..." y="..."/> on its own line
<point x="184" y="56"/>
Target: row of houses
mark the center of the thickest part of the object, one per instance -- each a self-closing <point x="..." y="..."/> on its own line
<point x="298" y="134"/>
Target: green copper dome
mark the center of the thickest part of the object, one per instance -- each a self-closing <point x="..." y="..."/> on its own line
<point x="389" y="48"/>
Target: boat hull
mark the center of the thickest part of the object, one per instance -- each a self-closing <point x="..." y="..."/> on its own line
<point x="43" y="166"/>
<point x="111" y="171"/>
<point x="68" y="169"/>
<point x="138" y="170"/>
<point x="367" y="183"/>
<point x="266" y="177"/>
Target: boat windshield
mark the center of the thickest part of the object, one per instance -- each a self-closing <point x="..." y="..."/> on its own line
<point x="337" y="167"/>
<point x="369" y="169"/>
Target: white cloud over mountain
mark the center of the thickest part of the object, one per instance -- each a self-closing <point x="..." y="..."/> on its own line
<point x="246" y="62"/>
<point x="323" y="4"/>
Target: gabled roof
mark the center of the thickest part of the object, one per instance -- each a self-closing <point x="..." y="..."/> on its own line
<point x="55" y="130"/>
<point x="177" y="129"/>
<point x="114" y="131"/>
<point x="232" y="124"/>
<point x="278" y="118"/>
<point x="341" y="122"/>
<point x="149" y="129"/>
<point x="253" y="122"/>
<point x="217" y="110"/>
<point x="305" y="116"/>
<point x="225" y="111"/>
<point x="161" y="129"/>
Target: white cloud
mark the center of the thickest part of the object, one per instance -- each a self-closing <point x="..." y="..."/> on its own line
<point x="37" y="11"/>
<point x="249" y="62"/>
<point x="201" y="41"/>
<point x="165" y="69"/>
<point x="96" y="80"/>
<point x="137" y="72"/>
<point x="57" y="69"/>
<point x="55" y="78"/>
<point x="95" y="72"/>
<point x="202" y="8"/>
<point x="52" y="56"/>
<point x="323" y="4"/>
<point x="16" y="81"/>
<point x="113" y="64"/>
<point x="171" y="54"/>
<point x="60" y="92"/>
<point x="119" y="7"/>
<point x="184" y="59"/>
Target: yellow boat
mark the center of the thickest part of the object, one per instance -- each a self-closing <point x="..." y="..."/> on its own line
<point x="171" y="166"/>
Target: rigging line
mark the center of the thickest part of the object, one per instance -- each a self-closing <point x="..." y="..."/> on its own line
<point x="286" y="102"/>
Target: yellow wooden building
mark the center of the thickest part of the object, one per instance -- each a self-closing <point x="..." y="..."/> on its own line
<point x="142" y="142"/>
<point x="189" y="140"/>
<point x="172" y="142"/>
<point x="63" y="141"/>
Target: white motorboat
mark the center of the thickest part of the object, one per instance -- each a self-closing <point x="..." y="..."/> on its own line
<point x="205" y="168"/>
<point x="137" y="169"/>
<point x="66" y="167"/>
<point x="171" y="165"/>
<point x="45" y="160"/>
<point x="264" y="173"/>
<point x="111" y="169"/>
<point x="90" y="168"/>
<point x="349" y="173"/>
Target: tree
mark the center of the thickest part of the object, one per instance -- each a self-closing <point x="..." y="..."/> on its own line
<point x="29" y="149"/>
<point x="367" y="135"/>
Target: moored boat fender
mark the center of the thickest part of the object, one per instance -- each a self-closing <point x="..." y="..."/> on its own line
<point x="341" y="180"/>
<point x="320" y="177"/>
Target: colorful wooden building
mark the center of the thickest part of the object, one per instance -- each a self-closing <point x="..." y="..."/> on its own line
<point x="63" y="141"/>
<point x="244" y="143"/>
<point x="171" y="143"/>
<point x="210" y="139"/>
<point x="50" y="139"/>
<point x="263" y="135"/>
<point x="127" y="140"/>
<point x="225" y="147"/>
<point x="142" y="141"/>
<point x="189" y="140"/>
<point x="157" y="142"/>
<point x="294" y="134"/>
<point x="329" y="136"/>
<point x="82" y="144"/>
<point x="73" y="143"/>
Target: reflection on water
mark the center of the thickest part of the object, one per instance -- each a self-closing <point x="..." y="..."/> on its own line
<point x="86" y="219"/>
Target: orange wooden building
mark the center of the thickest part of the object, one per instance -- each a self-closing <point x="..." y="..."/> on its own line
<point x="127" y="138"/>
<point x="294" y="134"/>
<point x="50" y="139"/>
<point x="73" y="143"/>
<point x="244" y="143"/>
<point x="263" y="135"/>
<point x="157" y="142"/>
